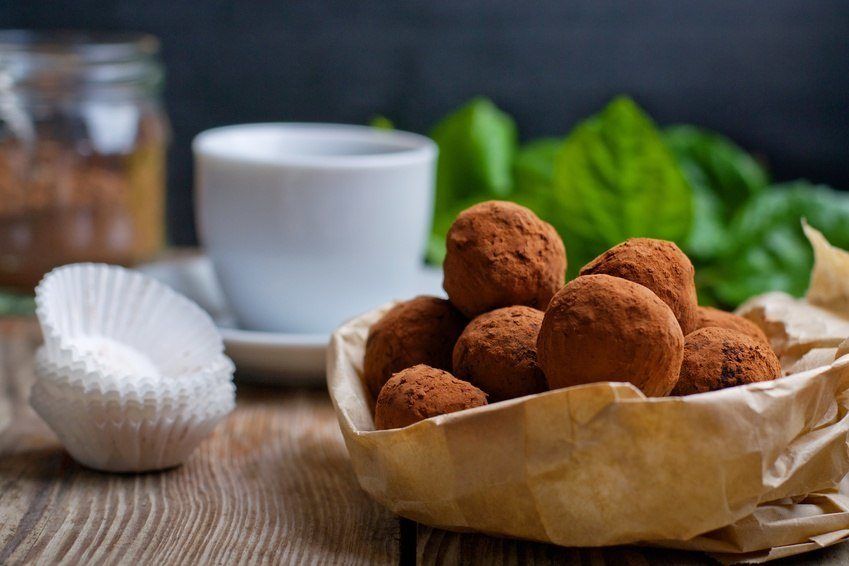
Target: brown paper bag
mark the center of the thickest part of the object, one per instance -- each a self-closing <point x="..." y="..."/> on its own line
<point x="751" y="472"/>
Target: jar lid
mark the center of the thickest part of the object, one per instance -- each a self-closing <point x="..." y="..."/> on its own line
<point x="43" y="62"/>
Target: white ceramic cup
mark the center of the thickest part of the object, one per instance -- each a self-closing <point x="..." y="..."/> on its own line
<point x="310" y="224"/>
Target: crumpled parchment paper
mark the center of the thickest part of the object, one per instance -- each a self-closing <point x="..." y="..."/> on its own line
<point x="750" y="473"/>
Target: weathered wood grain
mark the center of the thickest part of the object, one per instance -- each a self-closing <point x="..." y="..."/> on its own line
<point x="443" y="548"/>
<point x="273" y="485"/>
<point x="438" y="547"/>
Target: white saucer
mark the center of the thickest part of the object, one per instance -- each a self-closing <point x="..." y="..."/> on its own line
<point x="291" y="359"/>
<point x="270" y="357"/>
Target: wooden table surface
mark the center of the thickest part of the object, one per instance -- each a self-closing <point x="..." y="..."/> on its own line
<point x="272" y="485"/>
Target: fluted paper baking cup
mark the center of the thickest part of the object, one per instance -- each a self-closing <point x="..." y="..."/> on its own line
<point x="132" y="375"/>
<point x="82" y="378"/>
<point x="114" y="407"/>
<point x="123" y="323"/>
<point x="107" y="435"/>
<point x="105" y="396"/>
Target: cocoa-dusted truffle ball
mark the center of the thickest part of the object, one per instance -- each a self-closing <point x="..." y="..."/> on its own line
<point x="603" y="328"/>
<point x="716" y="358"/>
<point x="659" y="265"/>
<point x="710" y="317"/>
<point x="421" y="392"/>
<point x="419" y="331"/>
<point x="500" y="254"/>
<point x="497" y="352"/>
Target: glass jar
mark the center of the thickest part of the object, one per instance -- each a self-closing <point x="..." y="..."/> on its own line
<point x="82" y="151"/>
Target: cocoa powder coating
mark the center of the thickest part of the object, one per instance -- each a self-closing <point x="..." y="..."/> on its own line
<point x="419" y="331"/>
<point x="500" y="254"/>
<point x="421" y="392"/>
<point x="604" y="328"/>
<point x="659" y="265"/>
<point x="710" y="317"/>
<point x="497" y="352"/>
<point x="716" y="358"/>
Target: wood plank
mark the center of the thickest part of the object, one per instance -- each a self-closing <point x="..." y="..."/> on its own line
<point x="436" y="546"/>
<point x="439" y="547"/>
<point x="273" y="485"/>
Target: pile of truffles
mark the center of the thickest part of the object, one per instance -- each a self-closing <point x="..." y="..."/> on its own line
<point x="511" y="326"/>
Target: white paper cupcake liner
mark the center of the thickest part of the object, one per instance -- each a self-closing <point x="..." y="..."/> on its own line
<point x="83" y="379"/>
<point x="122" y="322"/>
<point x="116" y="405"/>
<point x="110" y="436"/>
<point x="132" y="375"/>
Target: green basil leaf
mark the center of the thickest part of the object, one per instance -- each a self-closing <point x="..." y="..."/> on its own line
<point x="614" y="178"/>
<point x="533" y="174"/>
<point x="708" y="236"/>
<point x="534" y="166"/>
<point x="770" y="251"/>
<point x="477" y="146"/>
<point x="716" y="163"/>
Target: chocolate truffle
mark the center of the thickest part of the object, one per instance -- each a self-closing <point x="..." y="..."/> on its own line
<point x="497" y="352"/>
<point x="421" y="392"/>
<point x="659" y="265"/>
<point x="419" y="331"/>
<point x="500" y="254"/>
<point x="710" y="317"/>
<point x="716" y="358"/>
<point x="603" y="328"/>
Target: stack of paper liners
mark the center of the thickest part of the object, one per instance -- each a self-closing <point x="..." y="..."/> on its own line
<point x="749" y="473"/>
<point x="132" y="375"/>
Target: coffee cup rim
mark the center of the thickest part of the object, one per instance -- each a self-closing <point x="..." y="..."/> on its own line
<point x="227" y="143"/>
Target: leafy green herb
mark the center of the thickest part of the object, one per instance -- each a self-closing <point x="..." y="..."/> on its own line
<point x="708" y="237"/>
<point x="477" y="144"/>
<point x="770" y="252"/>
<point x="533" y="173"/>
<point x="381" y="123"/>
<point x="614" y="178"/>
<point x="722" y="176"/>
<point x="534" y="166"/>
<point x="715" y="163"/>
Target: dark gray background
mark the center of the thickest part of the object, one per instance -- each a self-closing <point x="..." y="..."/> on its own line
<point x="773" y="75"/>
